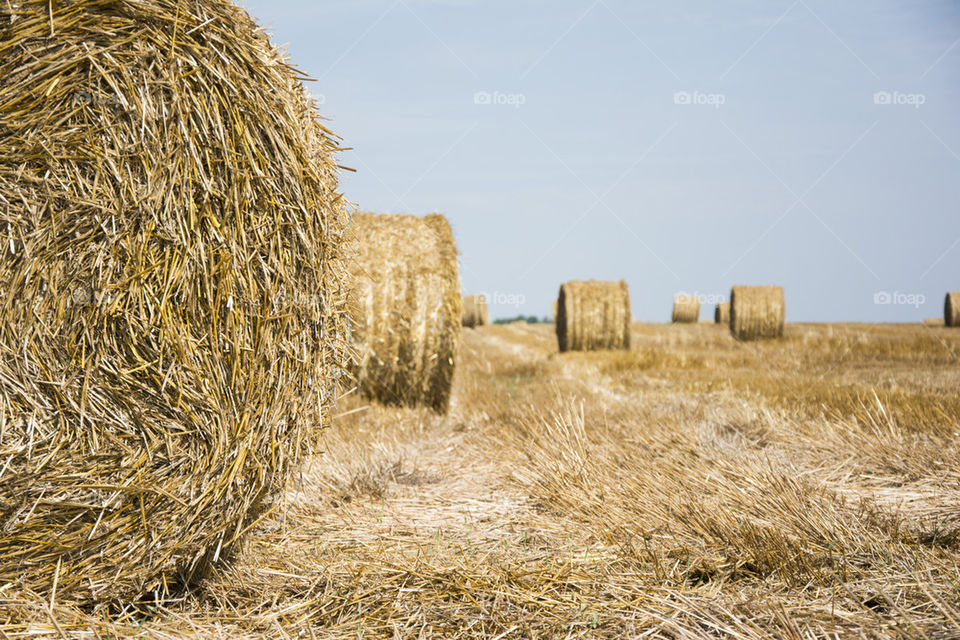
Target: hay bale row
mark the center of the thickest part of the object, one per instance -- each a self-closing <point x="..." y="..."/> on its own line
<point x="475" y="311"/>
<point x="406" y="308"/>
<point x="593" y="315"/>
<point x="721" y="314"/>
<point x="170" y="271"/>
<point x="951" y="309"/>
<point x="757" y="312"/>
<point x="686" y="309"/>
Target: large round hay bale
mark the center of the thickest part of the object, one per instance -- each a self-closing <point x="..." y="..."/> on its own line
<point x="169" y="269"/>
<point x="951" y="309"/>
<point x="721" y="314"/>
<point x="593" y="315"/>
<point x="407" y="313"/>
<point x="757" y="312"/>
<point x="475" y="311"/>
<point x="686" y="309"/>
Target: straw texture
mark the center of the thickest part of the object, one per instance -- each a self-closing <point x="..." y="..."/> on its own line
<point x="170" y="279"/>
<point x="407" y="308"/>
<point x="721" y="314"/>
<point x="757" y="313"/>
<point x="951" y="309"/>
<point x="475" y="311"/>
<point x="686" y="309"/>
<point x="593" y="315"/>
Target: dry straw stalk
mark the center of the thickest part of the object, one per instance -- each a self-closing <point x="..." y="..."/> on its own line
<point x="593" y="315"/>
<point x="170" y="293"/>
<point x="757" y="312"/>
<point x="407" y="308"/>
<point x="475" y="311"/>
<point x="721" y="314"/>
<point x="951" y="309"/>
<point x="686" y="309"/>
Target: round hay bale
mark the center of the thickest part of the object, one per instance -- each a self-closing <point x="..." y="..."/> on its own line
<point x="951" y="309"/>
<point x="757" y="312"/>
<point x="593" y="315"/>
<point x="686" y="309"/>
<point x="407" y="313"/>
<point x="721" y="314"/>
<point x="170" y="272"/>
<point x="475" y="311"/>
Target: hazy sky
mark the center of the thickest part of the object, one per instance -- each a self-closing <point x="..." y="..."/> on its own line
<point x="681" y="146"/>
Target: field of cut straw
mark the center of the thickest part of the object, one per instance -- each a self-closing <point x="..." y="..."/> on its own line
<point x="692" y="486"/>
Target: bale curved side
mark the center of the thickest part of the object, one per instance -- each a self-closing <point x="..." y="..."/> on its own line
<point x="757" y="313"/>
<point x="407" y="310"/>
<point x="686" y="309"/>
<point x="593" y="315"/>
<point x="951" y="309"/>
<point x="721" y="314"/>
<point x="475" y="311"/>
<point x="170" y="286"/>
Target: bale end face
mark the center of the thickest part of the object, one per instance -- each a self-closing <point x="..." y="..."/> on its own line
<point x="169" y="274"/>
<point x="757" y="313"/>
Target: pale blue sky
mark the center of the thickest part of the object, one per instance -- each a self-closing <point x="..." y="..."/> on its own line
<point x="591" y="169"/>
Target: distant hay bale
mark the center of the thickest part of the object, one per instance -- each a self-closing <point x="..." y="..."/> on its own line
<point x="934" y="322"/>
<point x="170" y="269"/>
<point x="475" y="311"/>
<point x="593" y="315"/>
<point x="407" y="309"/>
<point x="757" y="312"/>
<point x="553" y="315"/>
<point x="721" y="315"/>
<point x="686" y="309"/>
<point x="951" y="309"/>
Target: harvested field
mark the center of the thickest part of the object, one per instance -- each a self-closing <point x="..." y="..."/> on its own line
<point x="693" y="486"/>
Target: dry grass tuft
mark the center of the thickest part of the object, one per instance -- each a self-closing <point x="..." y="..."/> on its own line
<point x="593" y="315"/>
<point x="407" y="308"/>
<point x="170" y="271"/>
<point x="475" y="311"/>
<point x="757" y="313"/>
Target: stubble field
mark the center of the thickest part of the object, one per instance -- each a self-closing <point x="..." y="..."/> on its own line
<point x="691" y="487"/>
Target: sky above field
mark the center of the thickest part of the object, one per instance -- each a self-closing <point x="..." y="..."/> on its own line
<point x="681" y="146"/>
